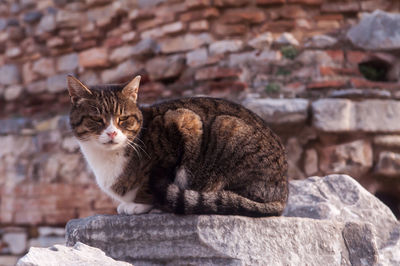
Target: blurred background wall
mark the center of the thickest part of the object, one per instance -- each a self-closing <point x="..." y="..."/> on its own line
<point x="330" y="93"/>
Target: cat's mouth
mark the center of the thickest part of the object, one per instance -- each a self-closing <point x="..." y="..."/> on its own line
<point x="110" y="143"/>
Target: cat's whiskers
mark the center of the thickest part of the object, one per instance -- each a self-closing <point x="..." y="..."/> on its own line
<point x="134" y="148"/>
<point x="137" y="145"/>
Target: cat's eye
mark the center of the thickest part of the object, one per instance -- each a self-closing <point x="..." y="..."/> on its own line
<point x="97" y="119"/>
<point x="123" y="118"/>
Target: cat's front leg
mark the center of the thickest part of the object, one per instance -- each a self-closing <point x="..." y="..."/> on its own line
<point x="133" y="208"/>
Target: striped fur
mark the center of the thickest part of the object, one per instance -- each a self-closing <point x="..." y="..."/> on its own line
<point x="188" y="156"/>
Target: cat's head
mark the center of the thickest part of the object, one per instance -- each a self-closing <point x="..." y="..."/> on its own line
<point x="107" y="116"/>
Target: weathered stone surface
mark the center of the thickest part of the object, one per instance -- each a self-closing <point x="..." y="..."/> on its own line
<point x="9" y="75"/>
<point x="13" y="92"/>
<point x="224" y="46"/>
<point x="376" y="31"/>
<point x="387" y="140"/>
<point x="262" y="41"/>
<point x="338" y="115"/>
<point x="95" y="57"/>
<point x="353" y="158"/>
<point x="280" y="110"/>
<point x="80" y="255"/>
<point x="311" y="162"/>
<point x="145" y="48"/>
<point x="121" y="73"/>
<point x="16" y="241"/>
<point x="44" y="67"/>
<point x="164" y="68"/>
<point x="220" y="240"/>
<point x="68" y="62"/>
<point x="185" y="43"/>
<point x="197" y="57"/>
<point x="287" y="39"/>
<point x="340" y="198"/>
<point x="57" y="83"/>
<point x="388" y="164"/>
<point x="321" y="42"/>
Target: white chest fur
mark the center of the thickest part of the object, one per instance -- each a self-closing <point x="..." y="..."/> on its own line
<point x="107" y="167"/>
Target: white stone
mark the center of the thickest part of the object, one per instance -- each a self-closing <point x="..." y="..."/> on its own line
<point x="12" y="92"/>
<point x="197" y="57"/>
<point x="262" y="41"/>
<point x="79" y="255"/>
<point x="339" y="115"/>
<point x="376" y="31"/>
<point x="387" y="140"/>
<point x="287" y="39"/>
<point x="221" y="47"/>
<point x="321" y="42"/>
<point x="279" y="110"/>
<point x="51" y="231"/>
<point x="16" y="241"/>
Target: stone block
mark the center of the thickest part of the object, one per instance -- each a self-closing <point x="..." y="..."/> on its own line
<point x="68" y="62"/>
<point x="388" y="164"/>
<point x="80" y="255"/>
<point x="340" y="115"/>
<point x="57" y="83"/>
<point x="353" y="158"/>
<point x="199" y="25"/>
<point x="280" y="110"/>
<point x="376" y="31"/>
<point x="387" y="140"/>
<point x="216" y="73"/>
<point x="197" y="57"/>
<point x="243" y="16"/>
<point x="44" y="67"/>
<point x="184" y="43"/>
<point x="94" y="57"/>
<point x="221" y="47"/>
<point x="165" y="67"/>
<point x="9" y="74"/>
<point x="121" y="73"/>
<point x="13" y="92"/>
<point x="16" y="241"/>
<point x="262" y="41"/>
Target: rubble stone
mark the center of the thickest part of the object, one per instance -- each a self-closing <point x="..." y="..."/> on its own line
<point x="9" y="75"/>
<point x="388" y="164"/>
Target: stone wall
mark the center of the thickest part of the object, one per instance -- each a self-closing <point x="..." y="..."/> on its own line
<point x="330" y="92"/>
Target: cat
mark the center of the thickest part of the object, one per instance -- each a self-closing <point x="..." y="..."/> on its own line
<point x="195" y="155"/>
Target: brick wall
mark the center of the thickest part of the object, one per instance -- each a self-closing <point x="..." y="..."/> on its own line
<point x="289" y="60"/>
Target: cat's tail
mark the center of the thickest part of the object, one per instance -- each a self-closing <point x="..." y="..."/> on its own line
<point x="181" y="201"/>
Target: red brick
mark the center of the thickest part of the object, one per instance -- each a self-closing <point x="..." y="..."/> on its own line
<point x="327" y="84"/>
<point x="95" y="57"/>
<point x="200" y="14"/>
<point x="305" y="2"/>
<point x="113" y="42"/>
<point x="279" y="26"/>
<point x="231" y="86"/>
<point x="334" y="71"/>
<point x="216" y="73"/>
<point x="28" y="217"/>
<point x="225" y="3"/>
<point x="367" y="84"/>
<point x="335" y="17"/>
<point x="243" y="15"/>
<point x="336" y="55"/>
<point x="234" y="29"/>
<point x="293" y="12"/>
<point x="270" y="2"/>
<point x="356" y="57"/>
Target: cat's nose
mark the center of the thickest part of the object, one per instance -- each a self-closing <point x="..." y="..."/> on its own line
<point x="112" y="134"/>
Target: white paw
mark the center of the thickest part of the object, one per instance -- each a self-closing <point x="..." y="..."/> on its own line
<point x="133" y="208"/>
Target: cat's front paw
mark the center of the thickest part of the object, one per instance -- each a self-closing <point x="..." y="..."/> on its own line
<point x="133" y="208"/>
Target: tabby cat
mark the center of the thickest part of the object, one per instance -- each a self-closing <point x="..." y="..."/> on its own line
<point x="186" y="156"/>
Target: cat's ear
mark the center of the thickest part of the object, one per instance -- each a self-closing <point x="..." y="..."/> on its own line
<point x="131" y="89"/>
<point x="77" y="89"/>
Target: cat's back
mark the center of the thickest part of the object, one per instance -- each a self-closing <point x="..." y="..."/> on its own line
<point x="208" y="109"/>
